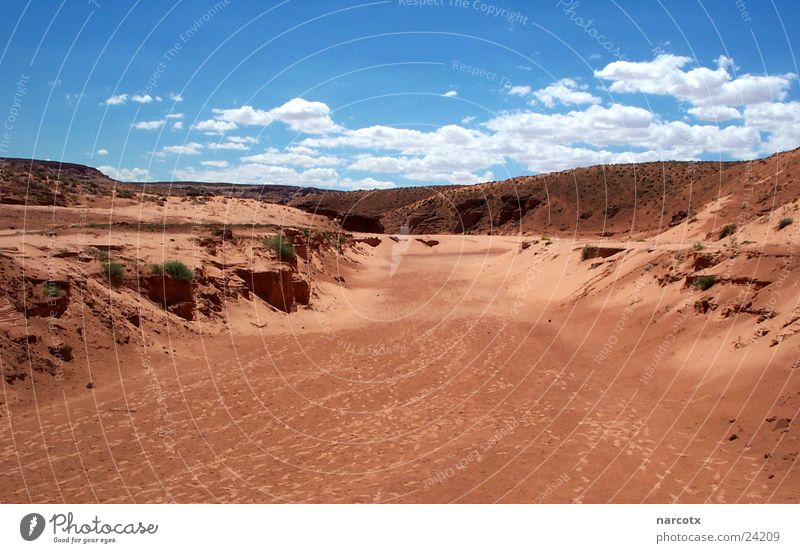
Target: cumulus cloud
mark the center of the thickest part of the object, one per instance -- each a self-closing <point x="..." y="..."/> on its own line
<point x="519" y="90"/>
<point x="175" y="97"/>
<point x="149" y="125"/>
<point x="239" y="143"/>
<point x="299" y="114"/>
<point x="118" y="173"/>
<point x="177" y="126"/>
<point x="189" y="149"/>
<point x="538" y="141"/>
<point x="243" y="139"/>
<point x="102" y="152"/>
<point x="143" y="98"/>
<point x="700" y="86"/>
<point x="245" y="115"/>
<point x="258" y="173"/>
<point x="306" y="117"/>
<point x="297" y="156"/>
<point x="450" y="94"/>
<point x="116" y="100"/>
<point x="213" y="163"/>
<point x="214" y="126"/>
<point x="174" y="116"/>
<point x="565" y="91"/>
<point x="780" y="120"/>
<point x="715" y="114"/>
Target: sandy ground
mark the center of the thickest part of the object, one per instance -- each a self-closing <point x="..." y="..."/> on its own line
<point x="480" y="369"/>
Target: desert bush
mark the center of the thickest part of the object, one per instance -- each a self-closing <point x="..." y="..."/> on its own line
<point x="704" y="282"/>
<point x="51" y="289"/>
<point x="649" y="267"/>
<point x="114" y="271"/>
<point x="727" y="230"/>
<point x="785" y="222"/>
<point x="174" y="269"/>
<point x="97" y="253"/>
<point x="281" y="246"/>
<point x="698" y="246"/>
<point x="585" y="253"/>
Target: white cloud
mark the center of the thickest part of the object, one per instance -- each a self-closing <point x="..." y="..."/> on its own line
<point x="524" y="135"/>
<point x="142" y="99"/>
<point x="306" y="117"/>
<point x="214" y="163"/>
<point x="519" y="90"/>
<point x="214" y="126"/>
<point x="245" y="115"/>
<point x="189" y="149"/>
<point x="174" y="116"/>
<point x="715" y="114"/>
<point x="364" y="184"/>
<point x="700" y="86"/>
<point x="298" y="157"/>
<point x="118" y="173"/>
<point x="227" y="146"/>
<point x="102" y="152"/>
<point x="468" y="120"/>
<point x="565" y="91"/>
<point x="299" y="114"/>
<point x="243" y="139"/>
<point x="450" y="94"/>
<point x="780" y="120"/>
<point x="177" y="126"/>
<point x="175" y="97"/>
<point x="149" y="125"/>
<point x="116" y="100"/>
<point x="256" y="173"/>
<point x="239" y="143"/>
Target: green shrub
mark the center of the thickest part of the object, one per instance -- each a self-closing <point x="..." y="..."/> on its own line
<point x="785" y="222"/>
<point x="114" y="271"/>
<point x="97" y="253"/>
<point x="649" y="267"/>
<point x="281" y="246"/>
<point x="704" y="282"/>
<point x="698" y="246"/>
<point x="584" y="253"/>
<point x="727" y="230"/>
<point x="51" y="289"/>
<point x="174" y="269"/>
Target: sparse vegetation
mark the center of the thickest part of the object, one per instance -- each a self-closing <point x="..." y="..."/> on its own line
<point x="281" y="246"/>
<point x="51" y="289"/>
<point x="704" y="282"/>
<point x="174" y="269"/>
<point x="114" y="271"/>
<point x="727" y="230"/>
<point x="649" y="267"/>
<point x="585" y="253"/>
<point x="699" y="246"/>
<point x="785" y="222"/>
<point x="99" y="254"/>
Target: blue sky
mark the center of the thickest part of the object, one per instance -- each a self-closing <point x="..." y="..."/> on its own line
<point x="348" y="94"/>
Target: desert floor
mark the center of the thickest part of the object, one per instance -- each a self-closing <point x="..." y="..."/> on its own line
<point x="474" y="370"/>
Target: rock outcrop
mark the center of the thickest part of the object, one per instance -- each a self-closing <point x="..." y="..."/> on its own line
<point x="176" y="296"/>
